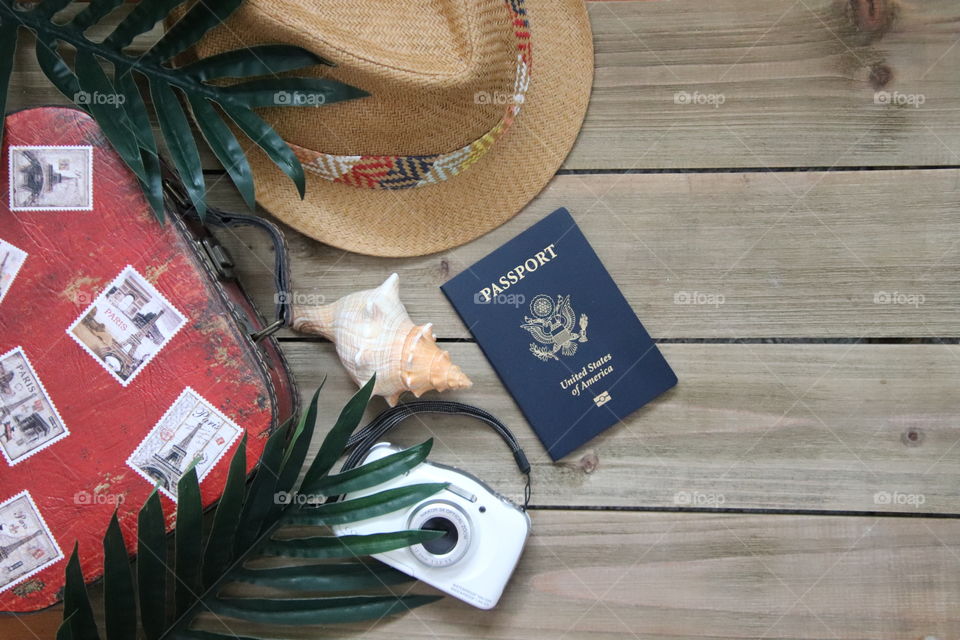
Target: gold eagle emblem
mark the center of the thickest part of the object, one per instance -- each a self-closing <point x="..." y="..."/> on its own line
<point x="552" y="324"/>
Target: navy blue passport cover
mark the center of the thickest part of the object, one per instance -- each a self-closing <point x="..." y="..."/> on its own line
<point x="560" y="334"/>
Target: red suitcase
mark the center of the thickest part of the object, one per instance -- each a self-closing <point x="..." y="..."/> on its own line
<point x="125" y="353"/>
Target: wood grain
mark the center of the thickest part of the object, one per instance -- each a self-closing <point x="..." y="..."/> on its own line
<point x="597" y="574"/>
<point x="667" y="576"/>
<point x="797" y="82"/>
<point x="869" y="428"/>
<point x="848" y="254"/>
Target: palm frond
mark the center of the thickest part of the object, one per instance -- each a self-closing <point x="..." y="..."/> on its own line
<point x="249" y="525"/>
<point x="118" y="105"/>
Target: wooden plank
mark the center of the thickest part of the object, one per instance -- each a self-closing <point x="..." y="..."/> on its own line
<point x="797" y="79"/>
<point x="589" y="574"/>
<point x="739" y="83"/>
<point x="602" y="574"/>
<point x="834" y="427"/>
<point x="820" y="254"/>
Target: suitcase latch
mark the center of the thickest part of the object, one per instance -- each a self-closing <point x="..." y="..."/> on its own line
<point x="218" y="258"/>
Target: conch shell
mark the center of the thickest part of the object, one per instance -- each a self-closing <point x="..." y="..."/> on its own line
<point x="374" y="334"/>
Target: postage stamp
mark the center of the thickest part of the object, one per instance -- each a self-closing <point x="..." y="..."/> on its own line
<point x="127" y="325"/>
<point x="51" y="178"/>
<point x="29" y="421"/>
<point x="191" y="430"/>
<point x="26" y="544"/>
<point x="11" y="259"/>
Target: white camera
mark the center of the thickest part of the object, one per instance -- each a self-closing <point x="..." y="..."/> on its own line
<point x="484" y="532"/>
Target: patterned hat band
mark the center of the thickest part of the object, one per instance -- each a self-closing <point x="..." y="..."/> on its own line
<point x="407" y="172"/>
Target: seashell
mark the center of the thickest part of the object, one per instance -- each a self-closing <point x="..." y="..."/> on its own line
<point x="374" y="334"/>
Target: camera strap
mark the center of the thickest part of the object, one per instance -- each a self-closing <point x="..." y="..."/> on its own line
<point x="363" y="440"/>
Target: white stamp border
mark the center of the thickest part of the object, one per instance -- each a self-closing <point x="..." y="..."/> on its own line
<point x="149" y="359"/>
<point x="46" y="528"/>
<point x="216" y="461"/>
<point x="77" y="147"/>
<point x="13" y="278"/>
<point x="66" y="430"/>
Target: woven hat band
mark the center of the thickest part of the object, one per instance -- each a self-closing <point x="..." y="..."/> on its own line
<point x="407" y="172"/>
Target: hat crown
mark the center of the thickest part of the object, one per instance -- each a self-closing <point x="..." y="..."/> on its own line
<point x="441" y="73"/>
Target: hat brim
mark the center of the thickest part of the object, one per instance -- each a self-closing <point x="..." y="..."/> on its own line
<point x="432" y="218"/>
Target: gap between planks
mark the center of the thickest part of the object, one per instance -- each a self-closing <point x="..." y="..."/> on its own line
<point x="805" y="428"/>
<point x="793" y="255"/>
<point x="799" y="82"/>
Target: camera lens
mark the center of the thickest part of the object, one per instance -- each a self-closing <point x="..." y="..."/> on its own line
<point x="449" y="548"/>
<point x="444" y="544"/>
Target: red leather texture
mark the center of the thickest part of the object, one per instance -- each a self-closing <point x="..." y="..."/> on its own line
<point x="72" y="256"/>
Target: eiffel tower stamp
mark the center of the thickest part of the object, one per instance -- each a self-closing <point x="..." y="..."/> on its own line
<point x="191" y="430"/>
<point x="29" y="421"/>
<point x="26" y="544"/>
<point x="127" y="325"/>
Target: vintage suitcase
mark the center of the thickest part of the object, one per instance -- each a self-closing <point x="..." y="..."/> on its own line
<point x="127" y="350"/>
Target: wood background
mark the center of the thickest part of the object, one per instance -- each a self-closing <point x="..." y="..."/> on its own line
<point x="801" y="481"/>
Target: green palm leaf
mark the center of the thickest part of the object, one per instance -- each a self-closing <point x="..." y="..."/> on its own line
<point x="244" y="528"/>
<point x="316" y="610"/>
<point x="76" y="602"/>
<point x="262" y="60"/>
<point x="143" y="18"/>
<point x="119" y="602"/>
<point x="342" y="576"/>
<point x="56" y="70"/>
<point x="201" y="17"/>
<point x="93" y="13"/>
<point x="370" y="474"/>
<point x="362" y="508"/>
<point x="187" y="540"/>
<point x="255" y="128"/>
<point x="219" y="549"/>
<point x="226" y="147"/>
<point x="292" y="92"/>
<point x="336" y="440"/>
<point x="152" y="567"/>
<point x="120" y="110"/>
<point x="180" y="141"/>
<point x="109" y="113"/>
<point x="262" y="492"/>
<point x="347" y="546"/>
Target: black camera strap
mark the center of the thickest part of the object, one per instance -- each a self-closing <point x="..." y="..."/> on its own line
<point x="363" y="440"/>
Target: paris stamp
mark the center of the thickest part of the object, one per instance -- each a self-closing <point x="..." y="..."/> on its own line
<point x="127" y="325"/>
<point x="29" y="421"/>
<point x="191" y="430"/>
<point x="51" y="178"/>
<point x="11" y="259"/>
<point x="26" y="544"/>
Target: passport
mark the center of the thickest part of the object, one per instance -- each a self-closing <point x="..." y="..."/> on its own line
<point x="560" y="334"/>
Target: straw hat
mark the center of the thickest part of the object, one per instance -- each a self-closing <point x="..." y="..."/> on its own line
<point x="474" y="105"/>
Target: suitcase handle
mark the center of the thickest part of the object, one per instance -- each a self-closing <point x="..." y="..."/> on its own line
<point x="220" y="218"/>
